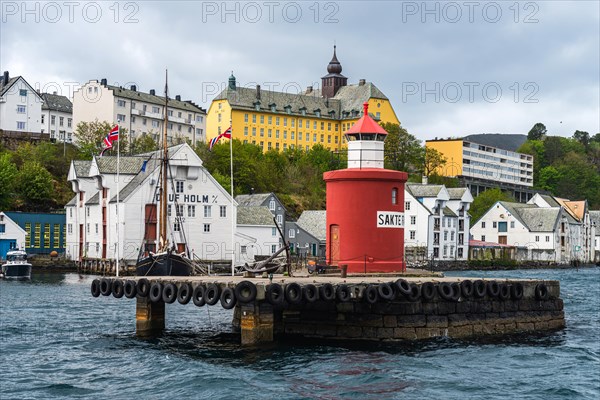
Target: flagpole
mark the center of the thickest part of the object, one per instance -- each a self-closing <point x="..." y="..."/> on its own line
<point x="118" y="219"/>
<point x="232" y="207"/>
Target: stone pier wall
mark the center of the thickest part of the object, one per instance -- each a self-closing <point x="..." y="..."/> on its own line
<point x="403" y="320"/>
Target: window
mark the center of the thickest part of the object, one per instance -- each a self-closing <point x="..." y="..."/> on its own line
<point x="253" y="118"/>
<point x="176" y="226"/>
<point x="20" y="109"/>
<point x="395" y="196"/>
<point x="22" y="92"/>
<point x="243" y="249"/>
<point x="452" y="235"/>
<point x="502" y="227"/>
<point x="245" y="116"/>
<point x="179" y="187"/>
<point x="292" y="233"/>
<point x="121" y="103"/>
<point x="53" y="120"/>
<point x="272" y="205"/>
<point x="207" y="211"/>
<point x="206" y="228"/>
<point x="253" y="131"/>
<point x="169" y="210"/>
<point x="156" y="110"/>
<point x="445" y="235"/>
<point x="547" y="238"/>
<point x="274" y="248"/>
<point x="537" y="238"/>
<point x="179" y="210"/>
<point x="2" y="228"/>
<point x="413" y="235"/>
<point x="43" y="118"/>
<point x="61" y="121"/>
<point x="273" y="231"/>
<point x="494" y="225"/>
<point x="512" y="224"/>
<point x="222" y="211"/>
<point x="407" y="205"/>
<point x="21" y="125"/>
<point x="120" y="118"/>
<point x="280" y="219"/>
<point x="483" y="226"/>
<point x="413" y="219"/>
<point x="69" y="229"/>
<point x="96" y="229"/>
<point x="483" y="238"/>
<point x="276" y="120"/>
<point x="155" y="124"/>
<point x="262" y="119"/>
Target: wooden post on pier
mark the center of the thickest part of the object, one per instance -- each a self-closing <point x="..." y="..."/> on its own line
<point x="149" y="317"/>
<point x="256" y="323"/>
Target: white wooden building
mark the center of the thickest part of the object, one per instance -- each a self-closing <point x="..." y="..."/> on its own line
<point x="92" y="219"/>
<point x="256" y="233"/>
<point x="20" y="105"/>
<point x="11" y="235"/>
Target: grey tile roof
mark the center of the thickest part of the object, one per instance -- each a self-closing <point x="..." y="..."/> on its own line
<point x="82" y="168"/>
<point x="420" y="190"/>
<point x="137" y="181"/>
<point x="456" y="193"/>
<point x="540" y="219"/>
<point x="315" y="223"/>
<point x="72" y="202"/>
<point x="347" y="98"/>
<point x="148" y="98"/>
<point x="595" y="217"/>
<point x="3" y="87"/>
<point x="254" y="215"/>
<point x="513" y="208"/>
<point x="257" y="199"/>
<point x="448" y="212"/>
<point x="550" y="200"/>
<point x="94" y="200"/>
<point x="127" y="165"/>
<point x="56" y="103"/>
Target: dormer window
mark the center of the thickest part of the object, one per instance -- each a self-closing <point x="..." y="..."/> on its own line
<point x="288" y="109"/>
<point x="318" y="112"/>
<point x="257" y="106"/>
<point x="303" y="111"/>
<point x="272" y="107"/>
<point x="331" y="113"/>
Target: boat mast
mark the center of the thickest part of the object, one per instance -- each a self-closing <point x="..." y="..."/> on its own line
<point x="163" y="171"/>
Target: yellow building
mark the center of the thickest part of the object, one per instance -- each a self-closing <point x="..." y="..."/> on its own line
<point x="277" y="120"/>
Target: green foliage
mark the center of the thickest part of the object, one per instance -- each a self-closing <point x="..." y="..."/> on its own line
<point x="143" y="144"/>
<point x="485" y="200"/>
<point x="432" y="161"/>
<point x="34" y="186"/>
<point x="8" y="175"/>
<point x="90" y="136"/>
<point x="537" y="132"/>
<point x="403" y="151"/>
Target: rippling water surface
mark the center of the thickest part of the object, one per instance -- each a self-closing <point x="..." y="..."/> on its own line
<point x="57" y="341"/>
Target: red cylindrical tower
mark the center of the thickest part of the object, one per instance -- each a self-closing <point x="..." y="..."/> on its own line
<point x="365" y="205"/>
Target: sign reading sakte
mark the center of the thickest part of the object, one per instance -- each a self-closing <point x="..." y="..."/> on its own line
<point x="390" y="219"/>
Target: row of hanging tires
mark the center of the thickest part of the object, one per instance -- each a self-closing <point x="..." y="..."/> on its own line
<point x="294" y="293"/>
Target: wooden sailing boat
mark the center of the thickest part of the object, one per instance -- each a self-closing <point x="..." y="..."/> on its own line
<point x="167" y="261"/>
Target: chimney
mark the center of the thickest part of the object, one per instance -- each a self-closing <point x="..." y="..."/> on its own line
<point x="103" y="81"/>
<point x="153" y="92"/>
<point x="134" y="88"/>
<point x="6" y="77"/>
<point x="54" y="93"/>
<point x="424" y="180"/>
<point x="258" y="92"/>
<point x="178" y="97"/>
<point x="361" y="82"/>
<point x="309" y="89"/>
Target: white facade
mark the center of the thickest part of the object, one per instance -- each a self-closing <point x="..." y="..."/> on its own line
<point x="436" y="222"/>
<point x="206" y="208"/>
<point x="57" y="117"/>
<point x="11" y="235"/>
<point x="140" y="113"/>
<point x="20" y="106"/>
<point x="256" y="240"/>
<point x="595" y="218"/>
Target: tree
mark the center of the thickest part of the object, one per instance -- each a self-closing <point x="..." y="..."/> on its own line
<point x="402" y="151"/>
<point x="432" y="160"/>
<point x="485" y="201"/>
<point x="537" y="132"/>
<point x="90" y="138"/>
<point x="582" y="137"/>
<point x="144" y="143"/>
<point x="8" y="176"/>
<point x="35" y="186"/>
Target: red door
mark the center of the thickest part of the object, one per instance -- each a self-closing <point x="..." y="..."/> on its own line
<point x="334" y="234"/>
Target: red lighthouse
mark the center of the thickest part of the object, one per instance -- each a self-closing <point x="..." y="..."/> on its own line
<point x="365" y="205"/>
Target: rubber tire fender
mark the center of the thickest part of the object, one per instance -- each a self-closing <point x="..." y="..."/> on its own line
<point x="228" y="299"/>
<point x="274" y="294"/>
<point x="199" y="295"/>
<point x="371" y="294"/>
<point x="493" y="289"/>
<point x="245" y="292"/>
<point x="184" y="294"/>
<point x="169" y="293"/>
<point x="293" y="293"/>
<point x="466" y="288"/>
<point x="143" y="287"/>
<point x="342" y="293"/>
<point x="117" y="289"/>
<point x="156" y="290"/>
<point x="541" y="291"/>
<point x="504" y="292"/>
<point x="415" y="292"/>
<point x="105" y="286"/>
<point x="516" y="291"/>
<point x="95" y="287"/>
<point x="385" y="291"/>
<point x="310" y="293"/>
<point x="213" y="294"/>
<point x="403" y="288"/>
<point x="455" y="291"/>
<point x="327" y="292"/>
<point x="479" y="289"/>
<point x="428" y="290"/>
<point x="445" y="291"/>
<point x="129" y="289"/>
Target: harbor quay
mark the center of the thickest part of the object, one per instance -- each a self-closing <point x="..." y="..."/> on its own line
<point x="374" y="308"/>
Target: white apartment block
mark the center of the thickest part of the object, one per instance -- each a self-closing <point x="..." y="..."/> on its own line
<point x="595" y="217"/>
<point x="436" y="222"/>
<point x="20" y="105"/>
<point x="57" y="117"/>
<point x="140" y="113"/>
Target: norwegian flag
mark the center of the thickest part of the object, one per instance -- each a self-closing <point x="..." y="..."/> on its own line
<point x="226" y="135"/>
<point x="110" y="138"/>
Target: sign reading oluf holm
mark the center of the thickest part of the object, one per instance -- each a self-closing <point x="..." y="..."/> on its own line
<point x="390" y="219"/>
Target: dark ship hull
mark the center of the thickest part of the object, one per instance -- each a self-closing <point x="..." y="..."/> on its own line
<point x="16" y="271"/>
<point x="164" y="264"/>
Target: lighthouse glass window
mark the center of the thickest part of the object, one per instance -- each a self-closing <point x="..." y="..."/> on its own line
<point x="395" y="196"/>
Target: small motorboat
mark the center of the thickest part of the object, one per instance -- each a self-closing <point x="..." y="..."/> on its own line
<point x="16" y="266"/>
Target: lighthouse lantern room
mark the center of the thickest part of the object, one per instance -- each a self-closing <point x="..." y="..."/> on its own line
<point x="365" y="205"/>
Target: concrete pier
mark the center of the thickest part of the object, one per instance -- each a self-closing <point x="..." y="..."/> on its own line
<point x="356" y="307"/>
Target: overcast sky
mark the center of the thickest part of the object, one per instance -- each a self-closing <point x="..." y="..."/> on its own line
<point x="449" y="68"/>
